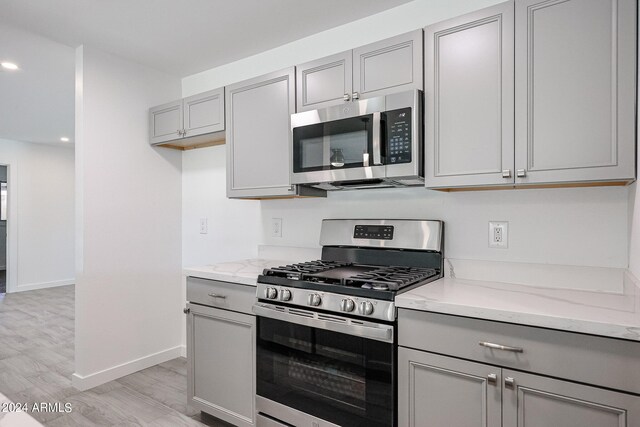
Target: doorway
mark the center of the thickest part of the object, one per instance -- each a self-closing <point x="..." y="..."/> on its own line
<point x="3" y="229"/>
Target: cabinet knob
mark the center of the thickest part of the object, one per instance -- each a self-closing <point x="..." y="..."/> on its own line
<point x="506" y="173"/>
<point x="521" y="173"/>
<point x="346" y="97"/>
<point x="492" y="379"/>
<point x="355" y="95"/>
<point x="509" y="383"/>
<point x="186" y="310"/>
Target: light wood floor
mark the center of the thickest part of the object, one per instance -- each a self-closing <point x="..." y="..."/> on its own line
<point x="36" y="363"/>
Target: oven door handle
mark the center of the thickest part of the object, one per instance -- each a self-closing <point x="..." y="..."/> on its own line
<point x="378" y="332"/>
<point x="377" y="145"/>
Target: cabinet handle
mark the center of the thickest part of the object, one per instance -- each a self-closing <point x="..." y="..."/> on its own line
<point x="346" y="97"/>
<point x="186" y="310"/>
<point x="506" y="173"/>
<point x="355" y="95"/>
<point x="218" y="296"/>
<point x="509" y="383"/>
<point x="184" y="132"/>
<point x="492" y="379"/>
<point x="521" y="173"/>
<point x="501" y="347"/>
<point x="179" y="132"/>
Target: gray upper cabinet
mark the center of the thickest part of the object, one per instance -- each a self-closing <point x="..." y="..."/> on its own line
<point x="469" y="88"/>
<point x="535" y="401"/>
<point x="377" y="69"/>
<point x="575" y="90"/>
<point x="165" y="122"/>
<point x="324" y="82"/>
<point x="258" y="129"/>
<point x="442" y="391"/>
<point x="196" y="121"/>
<point x="204" y="113"/>
<point x="388" y="66"/>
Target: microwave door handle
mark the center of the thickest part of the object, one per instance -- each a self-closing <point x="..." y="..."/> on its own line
<point x="377" y="146"/>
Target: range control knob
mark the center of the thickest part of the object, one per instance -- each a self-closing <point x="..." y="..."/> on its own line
<point x="285" y="295"/>
<point x="271" y="293"/>
<point x="314" y="300"/>
<point x="347" y="305"/>
<point x="366" y="308"/>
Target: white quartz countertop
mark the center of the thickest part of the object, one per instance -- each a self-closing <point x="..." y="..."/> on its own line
<point x="598" y="313"/>
<point x="244" y="272"/>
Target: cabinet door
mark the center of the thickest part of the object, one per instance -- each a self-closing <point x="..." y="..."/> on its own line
<point x="436" y="390"/>
<point x="165" y="122"/>
<point x="388" y="66"/>
<point x="575" y="90"/>
<point x="258" y="135"/>
<point x="204" y="113"/>
<point x="221" y="363"/>
<point x="324" y="82"/>
<point x="535" y="401"/>
<point x="469" y="96"/>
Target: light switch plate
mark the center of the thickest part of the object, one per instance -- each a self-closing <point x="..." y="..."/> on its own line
<point x="276" y="227"/>
<point x="499" y="234"/>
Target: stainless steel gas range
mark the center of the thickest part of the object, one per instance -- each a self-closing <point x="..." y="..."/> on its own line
<point x="326" y="341"/>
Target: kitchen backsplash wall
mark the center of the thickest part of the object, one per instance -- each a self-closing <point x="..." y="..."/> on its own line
<point x="573" y="226"/>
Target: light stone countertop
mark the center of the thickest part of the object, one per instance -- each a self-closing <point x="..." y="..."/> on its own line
<point x="244" y="271"/>
<point x="598" y="313"/>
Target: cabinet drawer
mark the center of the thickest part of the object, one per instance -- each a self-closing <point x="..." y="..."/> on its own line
<point x="230" y="296"/>
<point x="606" y="362"/>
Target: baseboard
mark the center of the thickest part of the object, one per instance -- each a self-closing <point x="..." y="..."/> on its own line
<point x="183" y="351"/>
<point x="44" y="285"/>
<point x="87" y="382"/>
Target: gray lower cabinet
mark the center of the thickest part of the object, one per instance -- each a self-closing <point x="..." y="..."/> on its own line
<point x="377" y="69"/>
<point x="437" y="391"/>
<point x="461" y="371"/>
<point x="575" y="66"/>
<point x="259" y="137"/>
<point x="535" y="401"/>
<point x="190" y="122"/>
<point x="221" y="354"/>
<point x="469" y="84"/>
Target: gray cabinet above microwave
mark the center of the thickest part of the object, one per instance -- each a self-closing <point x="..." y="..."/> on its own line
<point x="378" y="69"/>
<point x="196" y="121"/>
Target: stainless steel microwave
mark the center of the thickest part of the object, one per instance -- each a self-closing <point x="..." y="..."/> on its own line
<point x="371" y="143"/>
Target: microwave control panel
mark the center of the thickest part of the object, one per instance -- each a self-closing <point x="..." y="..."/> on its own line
<point x="398" y="136"/>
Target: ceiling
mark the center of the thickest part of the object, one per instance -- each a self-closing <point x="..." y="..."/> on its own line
<point x="37" y="101"/>
<point x="184" y="37"/>
<point x="178" y="37"/>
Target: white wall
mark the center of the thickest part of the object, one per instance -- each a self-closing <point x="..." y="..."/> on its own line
<point x="582" y="226"/>
<point x="41" y="203"/>
<point x="234" y="225"/>
<point x="128" y="293"/>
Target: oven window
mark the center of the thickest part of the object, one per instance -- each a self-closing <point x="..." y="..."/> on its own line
<point x="341" y="378"/>
<point x="338" y="144"/>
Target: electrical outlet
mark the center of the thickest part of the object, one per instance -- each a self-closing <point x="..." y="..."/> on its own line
<point x="204" y="226"/>
<point x="499" y="234"/>
<point x="276" y="227"/>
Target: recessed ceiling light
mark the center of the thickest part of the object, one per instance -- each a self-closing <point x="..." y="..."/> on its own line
<point x="64" y="139"/>
<point x="9" y="65"/>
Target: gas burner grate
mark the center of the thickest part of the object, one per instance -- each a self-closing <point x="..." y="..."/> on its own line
<point x="296" y="271"/>
<point x="390" y="278"/>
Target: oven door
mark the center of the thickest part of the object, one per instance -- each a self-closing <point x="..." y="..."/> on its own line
<point x="324" y="370"/>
